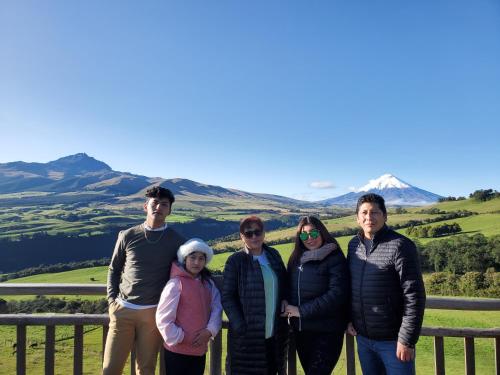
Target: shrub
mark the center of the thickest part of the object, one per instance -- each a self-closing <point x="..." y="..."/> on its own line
<point x="443" y="283"/>
<point x="471" y="283"/>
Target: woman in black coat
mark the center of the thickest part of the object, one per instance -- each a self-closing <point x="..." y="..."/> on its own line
<point x="319" y="296"/>
<point x="252" y="295"/>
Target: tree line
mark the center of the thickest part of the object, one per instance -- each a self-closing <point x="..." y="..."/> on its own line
<point x="462" y="265"/>
<point x="484" y="195"/>
<point x="481" y="195"/>
<point x="472" y="284"/>
<point x="435" y="231"/>
<point x="42" y="304"/>
<point x="461" y="254"/>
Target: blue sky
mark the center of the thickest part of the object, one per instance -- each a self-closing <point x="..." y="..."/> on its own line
<point x="262" y="96"/>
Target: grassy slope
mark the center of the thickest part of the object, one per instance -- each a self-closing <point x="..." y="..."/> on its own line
<point x="468" y="204"/>
<point x="332" y="225"/>
<point x="487" y="222"/>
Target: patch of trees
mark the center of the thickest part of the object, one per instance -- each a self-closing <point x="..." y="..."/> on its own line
<point x="473" y="284"/>
<point x="451" y="199"/>
<point x="431" y="211"/>
<point x="461" y="254"/>
<point x="484" y="195"/>
<point x="435" y="231"/>
<point x="462" y="265"/>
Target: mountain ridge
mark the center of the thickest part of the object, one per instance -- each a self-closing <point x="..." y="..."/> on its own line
<point x="85" y="174"/>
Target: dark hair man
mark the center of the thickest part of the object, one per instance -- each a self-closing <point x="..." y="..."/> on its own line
<point x="388" y="295"/>
<point x="139" y="269"/>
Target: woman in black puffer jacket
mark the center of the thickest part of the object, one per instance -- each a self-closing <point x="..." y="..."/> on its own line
<point x="253" y="294"/>
<point x="319" y="296"/>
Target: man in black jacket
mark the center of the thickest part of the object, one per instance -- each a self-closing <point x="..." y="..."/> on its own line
<point x="388" y="295"/>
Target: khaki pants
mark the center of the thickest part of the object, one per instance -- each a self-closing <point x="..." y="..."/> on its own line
<point x="126" y="327"/>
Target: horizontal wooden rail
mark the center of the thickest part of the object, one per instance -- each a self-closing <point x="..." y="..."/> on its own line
<point x="103" y="319"/>
<point x="461" y="332"/>
<point x="21" y="321"/>
<point x="442" y="303"/>
<point x="475" y="304"/>
<point x="79" y="320"/>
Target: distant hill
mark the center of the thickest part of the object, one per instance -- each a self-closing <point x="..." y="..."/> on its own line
<point x="395" y="192"/>
<point x="78" y="172"/>
<point x="81" y="175"/>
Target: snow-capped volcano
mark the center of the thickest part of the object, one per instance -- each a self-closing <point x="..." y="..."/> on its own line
<point x="386" y="181"/>
<point x="396" y="192"/>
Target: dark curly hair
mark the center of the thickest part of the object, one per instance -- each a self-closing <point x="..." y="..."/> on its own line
<point x="160" y="192"/>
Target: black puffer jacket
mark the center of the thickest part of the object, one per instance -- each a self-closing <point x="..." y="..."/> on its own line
<point x="243" y="299"/>
<point x="388" y="295"/>
<point x="320" y="288"/>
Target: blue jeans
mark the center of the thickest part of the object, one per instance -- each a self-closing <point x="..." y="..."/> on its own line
<point x="379" y="358"/>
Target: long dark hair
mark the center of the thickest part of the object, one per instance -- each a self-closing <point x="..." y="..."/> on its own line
<point x="299" y="247"/>
<point x="205" y="274"/>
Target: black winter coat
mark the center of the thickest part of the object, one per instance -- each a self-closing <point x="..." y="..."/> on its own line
<point x="388" y="295"/>
<point x="320" y="289"/>
<point x="243" y="299"/>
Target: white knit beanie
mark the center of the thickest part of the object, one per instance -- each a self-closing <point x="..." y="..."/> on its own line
<point x="193" y="245"/>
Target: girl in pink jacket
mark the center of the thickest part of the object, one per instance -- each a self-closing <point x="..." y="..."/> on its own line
<point x="189" y="312"/>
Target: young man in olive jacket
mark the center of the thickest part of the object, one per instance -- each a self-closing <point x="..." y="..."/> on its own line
<point x="139" y="269"/>
<point x="388" y="295"/>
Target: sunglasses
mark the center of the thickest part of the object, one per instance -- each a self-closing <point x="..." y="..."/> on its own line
<point x="305" y="235"/>
<point x="251" y="233"/>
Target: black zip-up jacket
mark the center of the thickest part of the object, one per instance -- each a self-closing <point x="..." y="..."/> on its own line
<point x="388" y="294"/>
<point x="244" y="301"/>
<point x="320" y="289"/>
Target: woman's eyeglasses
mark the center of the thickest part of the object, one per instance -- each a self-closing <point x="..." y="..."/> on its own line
<point x="251" y="233"/>
<point x="305" y="235"/>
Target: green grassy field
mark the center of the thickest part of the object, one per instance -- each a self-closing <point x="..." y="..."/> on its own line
<point x="98" y="214"/>
<point x="490" y="206"/>
<point x="346" y="222"/>
<point x="487" y="221"/>
<point x="61" y="219"/>
<point x="487" y="224"/>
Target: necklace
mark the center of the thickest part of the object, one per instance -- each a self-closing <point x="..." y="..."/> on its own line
<point x="146" y="235"/>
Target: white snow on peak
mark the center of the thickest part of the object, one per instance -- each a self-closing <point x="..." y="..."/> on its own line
<point x="385" y="181"/>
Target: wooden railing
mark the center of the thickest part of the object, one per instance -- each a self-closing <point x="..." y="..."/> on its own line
<point x="78" y="321"/>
